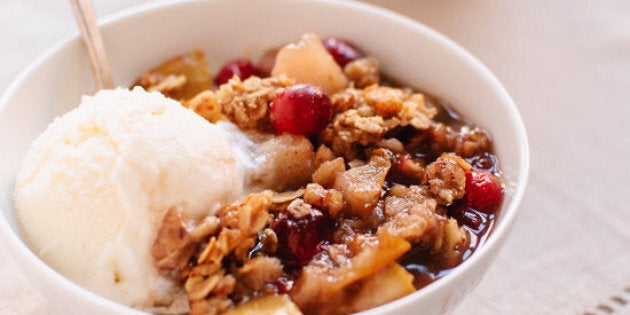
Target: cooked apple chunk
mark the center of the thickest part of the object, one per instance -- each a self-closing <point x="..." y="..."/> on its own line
<point x="270" y="304"/>
<point x="309" y="62"/>
<point x="180" y="78"/>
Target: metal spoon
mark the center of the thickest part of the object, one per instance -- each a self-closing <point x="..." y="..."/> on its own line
<point x="86" y="19"/>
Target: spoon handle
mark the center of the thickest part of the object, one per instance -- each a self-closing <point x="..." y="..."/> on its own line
<point x="86" y="19"/>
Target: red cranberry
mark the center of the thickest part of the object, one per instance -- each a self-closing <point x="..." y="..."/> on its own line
<point x="483" y="191"/>
<point x="341" y="50"/>
<point x="239" y="67"/>
<point x="302" y="109"/>
<point x="466" y="216"/>
<point x="484" y="162"/>
<point x="267" y="61"/>
<point x="300" y="239"/>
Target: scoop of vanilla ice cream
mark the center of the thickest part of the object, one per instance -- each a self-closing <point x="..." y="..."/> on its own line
<point x="96" y="184"/>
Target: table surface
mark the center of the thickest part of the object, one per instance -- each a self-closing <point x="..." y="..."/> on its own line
<point x="567" y="65"/>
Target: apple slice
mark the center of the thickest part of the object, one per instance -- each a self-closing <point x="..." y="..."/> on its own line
<point x="180" y="78"/>
<point x="269" y="304"/>
<point x="388" y="284"/>
<point x="309" y="62"/>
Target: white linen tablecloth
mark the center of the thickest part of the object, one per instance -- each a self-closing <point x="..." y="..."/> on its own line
<point x="567" y="65"/>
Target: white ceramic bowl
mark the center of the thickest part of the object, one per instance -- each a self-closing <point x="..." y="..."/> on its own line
<point x="145" y="36"/>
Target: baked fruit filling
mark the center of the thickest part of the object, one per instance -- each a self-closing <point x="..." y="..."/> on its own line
<point x="365" y="191"/>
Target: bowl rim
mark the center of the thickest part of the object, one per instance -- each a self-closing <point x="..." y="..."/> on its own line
<point x="509" y="213"/>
